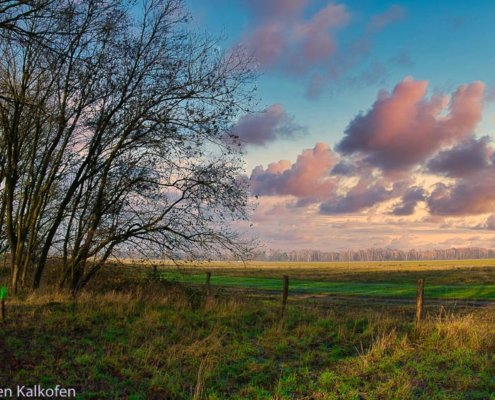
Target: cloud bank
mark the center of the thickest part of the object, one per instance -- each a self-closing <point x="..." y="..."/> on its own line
<point x="412" y="155"/>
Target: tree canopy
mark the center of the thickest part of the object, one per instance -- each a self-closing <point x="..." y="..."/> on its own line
<point x="115" y="122"/>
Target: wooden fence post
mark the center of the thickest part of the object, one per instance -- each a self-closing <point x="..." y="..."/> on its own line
<point x="285" y="295"/>
<point x="419" y="300"/>
<point x="208" y="287"/>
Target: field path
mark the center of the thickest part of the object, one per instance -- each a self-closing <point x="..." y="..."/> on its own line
<point x="379" y="301"/>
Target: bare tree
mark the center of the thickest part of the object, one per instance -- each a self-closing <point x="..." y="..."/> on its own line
<point x="121" y="141"/>
<point x="14" y="12"/>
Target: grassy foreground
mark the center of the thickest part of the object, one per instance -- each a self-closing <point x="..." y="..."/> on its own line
<point x="136" y="338"/>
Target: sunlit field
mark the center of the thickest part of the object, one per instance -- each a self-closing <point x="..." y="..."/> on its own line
<point x="459" y="279"/>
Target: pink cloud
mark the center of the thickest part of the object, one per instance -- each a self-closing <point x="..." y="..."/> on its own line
<point x="267" y="43"/>
<point x="307" y="178"/>
<point x="290" y="37"/>
<point x="404" y="128"/>
<point x="262" y="128"/>
<point x="282" y="37"/>
<point x="279" y="167"/>
<point x="315" y="41"/>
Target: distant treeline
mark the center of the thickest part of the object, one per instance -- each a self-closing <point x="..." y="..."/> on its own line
<point x="378" y="254"/>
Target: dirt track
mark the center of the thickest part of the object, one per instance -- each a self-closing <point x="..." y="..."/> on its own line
<point x="383" y="301"/>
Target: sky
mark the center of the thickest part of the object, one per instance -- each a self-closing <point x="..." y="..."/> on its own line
<point x="375" y="122"/>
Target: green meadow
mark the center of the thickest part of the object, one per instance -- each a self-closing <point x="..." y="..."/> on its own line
<point x="308" y="286"/>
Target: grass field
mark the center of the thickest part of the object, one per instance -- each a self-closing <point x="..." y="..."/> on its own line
<point x="381" y="289"/>
<point x="464" y="279"/>
<point x="131" y="336"/>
